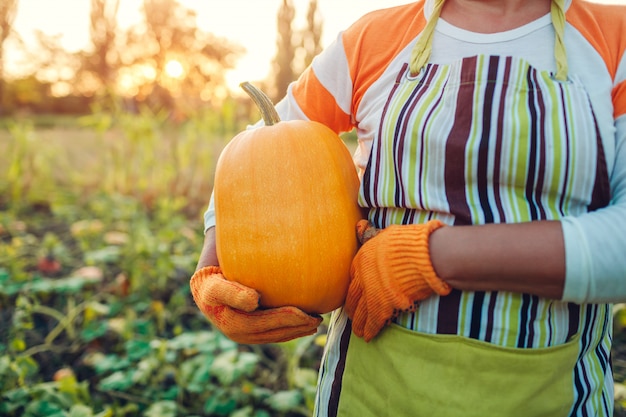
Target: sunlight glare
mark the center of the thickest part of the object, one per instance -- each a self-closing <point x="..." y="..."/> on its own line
<point x="174" y="69"/>
<point x="61" y="89"/>
<point x="146" y="72"/>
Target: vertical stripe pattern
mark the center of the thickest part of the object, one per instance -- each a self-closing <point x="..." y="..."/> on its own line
<point x="516" y="155"/>
<point x="492" y="140"/>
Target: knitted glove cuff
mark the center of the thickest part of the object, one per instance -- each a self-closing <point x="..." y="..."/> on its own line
<point x="424" y="261"/>
<point x="210" y="270"/>
<point x="410" y="248"/>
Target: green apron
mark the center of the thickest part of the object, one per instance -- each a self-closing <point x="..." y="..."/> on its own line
<point x="405" y="373"/>
<point x="517" y="137"/>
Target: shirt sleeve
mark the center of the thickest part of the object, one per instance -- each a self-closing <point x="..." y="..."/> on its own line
<point x="595" y="243"/>
<point x="209" y="215"/>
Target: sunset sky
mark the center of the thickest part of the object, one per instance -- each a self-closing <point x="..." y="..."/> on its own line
<point x="250" y="23"/>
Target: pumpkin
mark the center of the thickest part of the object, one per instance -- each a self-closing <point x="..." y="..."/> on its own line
<point x="286" y="207"/>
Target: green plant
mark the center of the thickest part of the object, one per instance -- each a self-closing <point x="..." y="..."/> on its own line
<point x="146" y="155"/>
<point x="28" y="174"/>
<point x="114" y="332"/>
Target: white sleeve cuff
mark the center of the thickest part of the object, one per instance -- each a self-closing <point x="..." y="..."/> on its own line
<point x="209" y="215"/>
<point x="594" y="257"/>
<point x="578" y="263"/>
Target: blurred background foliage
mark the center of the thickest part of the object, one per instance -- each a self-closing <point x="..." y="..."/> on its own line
<point x="106" y="165"/>
<point x="164" y="62"/>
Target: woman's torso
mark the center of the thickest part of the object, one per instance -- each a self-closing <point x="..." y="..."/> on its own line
<point x="415" y="167"/>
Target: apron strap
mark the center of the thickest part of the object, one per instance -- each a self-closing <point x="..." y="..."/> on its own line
<point x="420" y="54"/>
<point x="421" y="51"/>
<point x="557" y="12"/>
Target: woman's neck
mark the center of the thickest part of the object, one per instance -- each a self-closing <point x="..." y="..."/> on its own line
<point x="491" y="16"/>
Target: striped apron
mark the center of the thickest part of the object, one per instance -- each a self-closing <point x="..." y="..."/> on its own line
<point x="482" y="140"/>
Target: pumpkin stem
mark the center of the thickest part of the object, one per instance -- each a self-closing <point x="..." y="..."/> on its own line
<point x="263" y="102"/>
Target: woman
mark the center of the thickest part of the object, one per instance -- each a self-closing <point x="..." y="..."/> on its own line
<point x="505" y="119"/>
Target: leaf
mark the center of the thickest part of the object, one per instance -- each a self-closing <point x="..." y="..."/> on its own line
<point x="60" y="285"/>
<point x="14" y="399"/>
<point x="106" y="363"/>
<point x="80" y="410"/>
<point x="220" y="406"/>
<point x="117" y="381"/>
<point x="143" y="327"/>
<point x="191" y="340"/>
<point x="137" y="349"/>
<point x="145" y="369"/>
<point x="4" y="276"/>
<point x="321" y="339"/>
<point x="93" y="330"/>
<point x="107" y="412"/>
<point x="18" y="345"/>
<point x="305" y="377"/>
<point x="43" y="408"/>
<point x="162" y="409"/>
<point x="196" y="372"/>
<point x="25" y="366"/>
<point x="249" y="411"/>
<point x="73" y="284"/>
<point x="230" y="366"/>
<point x="171" y="394"/>
<point x="261" y="393"/>
<point x="94" y="310"/>
<point x="243" y="412"/>
<point x="11" y="288"/>
<point x="118" y="325"/>
<point x="285" y="400"/>
<point x="108" y="254"/>
<point x="619" y="316"/>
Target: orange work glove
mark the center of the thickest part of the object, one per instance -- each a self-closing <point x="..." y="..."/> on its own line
<point x="390" y="273"/>
<point x="233" y="309"/>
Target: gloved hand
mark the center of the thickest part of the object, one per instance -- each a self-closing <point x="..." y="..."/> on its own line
<point x="233" y="309"/>
<point x="390" y="274"/>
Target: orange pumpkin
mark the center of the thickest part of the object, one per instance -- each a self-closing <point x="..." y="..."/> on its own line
<point x="286" y="208"/>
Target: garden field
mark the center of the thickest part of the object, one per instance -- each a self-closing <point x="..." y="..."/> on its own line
<point x="100" y="230"/>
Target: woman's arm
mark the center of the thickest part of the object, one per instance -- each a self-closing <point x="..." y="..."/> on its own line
<point x="523" y="257"/>
<point x="578" y="259"/>
<point x="208" y="255"/>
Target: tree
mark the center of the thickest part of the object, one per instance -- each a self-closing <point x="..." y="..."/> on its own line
<point x="286" y="53"/>
<point x="53" y="64"/>
<point x="99" y="66"/>
<point x="312" y="35"/>
<point x="295" y="49"/>
<point x="171" y="36"/>
<point x="45" y="67"/>
<point x="7" y="14"/>
<point x="133" y="63"/>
